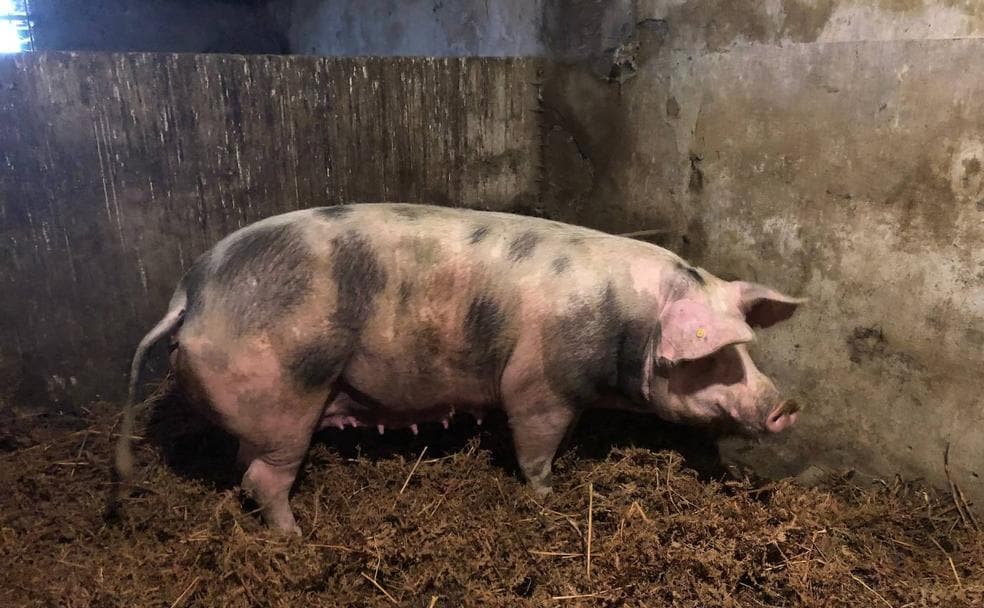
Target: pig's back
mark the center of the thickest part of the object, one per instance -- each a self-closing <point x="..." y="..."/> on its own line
<point x="263" y="272"/>
<point x="520" y="246"/>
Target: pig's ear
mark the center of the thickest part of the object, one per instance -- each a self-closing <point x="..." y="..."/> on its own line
<point x="764" y="306"/>
<point x="690" y="329"/>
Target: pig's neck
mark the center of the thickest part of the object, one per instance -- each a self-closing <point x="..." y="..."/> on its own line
<point x="637" y="331"/>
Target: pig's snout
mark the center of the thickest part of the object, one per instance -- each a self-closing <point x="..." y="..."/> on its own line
<point x="783" y="416"/>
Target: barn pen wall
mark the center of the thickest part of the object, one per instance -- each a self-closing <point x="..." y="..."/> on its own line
<point x="119" y="169"/>
<point x="832" y="149"/>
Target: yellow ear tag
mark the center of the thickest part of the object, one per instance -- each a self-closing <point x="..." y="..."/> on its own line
<point x="701" y="332"/>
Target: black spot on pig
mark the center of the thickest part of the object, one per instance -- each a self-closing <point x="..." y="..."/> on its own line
<point x="428" y="348"/>
<point x="405" y="291"/>
<point x="581" y="348"/>
<point x="264" y="275"/>
<point x="334" y="213"/>
<point x="483" y="322"/>
<point x="484" y="326"/>
<point x="633" y="341"/>
<point x="412" y="212"/>
<point x="523" y="246"/>
<point x="478" y="234"/>
<point x="692" y="273"/>
<point x="358" y="276"/>
<point x="560" y="264"/>
<point x="428" y="343"/>
<point x="314" y="365"/>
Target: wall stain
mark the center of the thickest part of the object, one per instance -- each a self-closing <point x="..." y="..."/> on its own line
<point x="971" y="167"/>
<point x="804" y="20"/>
<point x="723" y="22"/>
<point x="868" y="345"/>
<point x="696" y="182"/>
<point x="672" y="107"/>
<point x="901" y="6"/>
<point x="922" y="197"/>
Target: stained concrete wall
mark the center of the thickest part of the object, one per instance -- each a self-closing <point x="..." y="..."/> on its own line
<point x="567" y="30"/>
<point x="416" y="27"/>
<point x="717" y="24"/>
<point x="118" y="170"/>
<point x="834" y="150"/>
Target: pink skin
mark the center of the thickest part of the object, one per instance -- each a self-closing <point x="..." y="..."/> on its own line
<point x="694" y="379"/>
<point x="240" y="385"/>
<point x="696" y="368"/>
<point x="343" y="411"/>
<point x="702" y="369"/>
<point x="724" y="385"/>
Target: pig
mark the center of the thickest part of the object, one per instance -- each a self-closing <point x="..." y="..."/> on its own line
<point x="390" y="315"/>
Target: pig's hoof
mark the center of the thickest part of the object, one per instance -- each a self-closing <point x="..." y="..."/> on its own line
<point x="542" y="491"/>
<point x="291" y="531"/>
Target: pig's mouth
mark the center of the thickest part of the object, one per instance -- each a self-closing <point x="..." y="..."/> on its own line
<point x="728" y="422"/>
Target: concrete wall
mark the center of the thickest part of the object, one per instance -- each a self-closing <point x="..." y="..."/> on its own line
<point x="717" y="24"/>
<point x="573" y="30"/>
<point x="416" y="27"/>
<point x="832" y="149"/>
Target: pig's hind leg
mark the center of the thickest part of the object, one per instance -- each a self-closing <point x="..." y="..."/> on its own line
<point x="539" y="421"/>
<point x="272" y="453"/>
<point x="267" y="409"/>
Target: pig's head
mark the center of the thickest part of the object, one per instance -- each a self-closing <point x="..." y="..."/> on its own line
<point x="698" y="369"/>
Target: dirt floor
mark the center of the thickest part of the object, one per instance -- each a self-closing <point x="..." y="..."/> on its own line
<point x="386" y="523"/>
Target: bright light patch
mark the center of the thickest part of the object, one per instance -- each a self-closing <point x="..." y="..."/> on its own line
<point x="15" y="35"/>
<point x="10" y="40"/>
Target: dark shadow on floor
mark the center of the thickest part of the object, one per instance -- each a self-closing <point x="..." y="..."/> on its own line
<point x="194" y="448"/>
<point x="189" y="444"/>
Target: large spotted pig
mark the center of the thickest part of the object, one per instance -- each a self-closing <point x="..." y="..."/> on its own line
<point x="393" y="315"/>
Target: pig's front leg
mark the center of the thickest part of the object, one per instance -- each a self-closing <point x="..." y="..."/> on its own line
<point x="539" y="421"/>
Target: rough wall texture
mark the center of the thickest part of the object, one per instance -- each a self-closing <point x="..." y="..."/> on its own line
<point x="416" y="27"/>
<point x="567" y="30"/>
<point x="119" y="169"/>
<point x="716" y="24"/>
<point x="849" y="173"/>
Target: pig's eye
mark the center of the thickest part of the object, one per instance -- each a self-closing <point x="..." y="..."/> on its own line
<point x="698" y="366"/>
<point x="722" y="368"/>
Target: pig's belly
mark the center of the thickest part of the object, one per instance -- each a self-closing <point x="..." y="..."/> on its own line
<point x="390" y="399"/>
